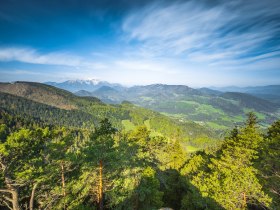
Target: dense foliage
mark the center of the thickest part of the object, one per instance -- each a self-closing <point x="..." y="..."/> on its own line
<point x="79" y="153"/>
<point x="54" y="167"/>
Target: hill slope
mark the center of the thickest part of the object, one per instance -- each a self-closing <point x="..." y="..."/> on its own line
<point x="88" y="111"/>
<point x="215" y="109"/>
<point x="45" y="94"/>
<point x="269" y="92"/>
<point x="250" y="101"/>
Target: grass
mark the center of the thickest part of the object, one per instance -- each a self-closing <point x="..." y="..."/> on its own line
<point x="144" y="98"/>
<point x="216" y="126"/>
<point x="208" y="109"/>
<point x="128" y="125"/>
<point x="190" y="103"/>
<point x="260" y="116"/>
<point x="191" y="149"/>
<point x="147" y="123"/>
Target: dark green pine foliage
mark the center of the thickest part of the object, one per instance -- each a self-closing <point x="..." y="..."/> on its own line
<point x="230" y="178"/>
<point x="269" y="163"/>
<point x="22" y="163"/>
<point x="149" y="196"/>
<point x="62" y="168"/>
<point x="99" y="151"/>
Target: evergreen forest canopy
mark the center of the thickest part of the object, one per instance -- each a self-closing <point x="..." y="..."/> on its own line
<point x="60" y="151"/>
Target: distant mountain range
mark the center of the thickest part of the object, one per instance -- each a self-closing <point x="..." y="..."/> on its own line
<point x="270" y="92"/>
<point x="215" y="108"/>
<point x="88" y="85"/>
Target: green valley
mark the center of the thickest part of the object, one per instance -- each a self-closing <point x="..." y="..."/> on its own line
<point x="59" y="107"/>
<point x="79" y="153"/>
<point x="215" y="110"/>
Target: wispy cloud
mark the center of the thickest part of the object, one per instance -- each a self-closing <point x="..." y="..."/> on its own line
<point x="192" y="42"/>
<point x="32" y="56"/>
<point x="232" y="30"/>
<point x="29" y="55"/>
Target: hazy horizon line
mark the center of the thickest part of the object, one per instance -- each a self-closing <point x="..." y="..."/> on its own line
<point x="156" y="83"/>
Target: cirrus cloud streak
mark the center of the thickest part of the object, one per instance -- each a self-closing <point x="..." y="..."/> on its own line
<point x="227" y="31"/>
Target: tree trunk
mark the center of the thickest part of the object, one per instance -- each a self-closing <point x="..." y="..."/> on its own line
<point x="11" y="189"/>
<point x="100" y="194"/>
<point x="31" y="203"/>
<point x="63" y="180"/>
<point x="63" y="183"/>
<point x="14" y="191"/>
<point x="15" y="200"/>
<point x="244" y="200"/>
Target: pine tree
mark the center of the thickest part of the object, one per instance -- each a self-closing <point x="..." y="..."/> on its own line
<point x="22" y="163"/>
<point x="232" y="181"/>
<point x="148" y="195"/>
<point x="99" y="163"/>
<point x="269" y="163"/>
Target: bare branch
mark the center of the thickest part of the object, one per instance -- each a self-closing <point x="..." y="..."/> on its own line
<point x="8" y="199"/>
<point x="6" y="190"/>
<point x="7" y="205"/>
<point x="3" y="167"/>
<point x="275" y="192"/>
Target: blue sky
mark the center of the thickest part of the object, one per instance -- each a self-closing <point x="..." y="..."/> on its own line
<point x="196" y="43"/>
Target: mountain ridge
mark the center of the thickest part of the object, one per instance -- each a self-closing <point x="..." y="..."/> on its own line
<point x="89" y="85"/>
<point x="89" y="111"/>
<point x="48" y="94"/>
<point x="209" y="107"/>
<point x="267" y="92"/>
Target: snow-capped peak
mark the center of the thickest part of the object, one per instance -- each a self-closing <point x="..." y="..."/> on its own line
<point x="87" y="82"/>
<point x="94" y="81"/>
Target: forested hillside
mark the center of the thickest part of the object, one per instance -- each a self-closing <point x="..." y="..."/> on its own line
<point x="216" y="110"/>
<point x="100" y="156"/>
<point x="88" y="111"/>
<point x="54" y="167"/>
<point x="269" y="92"/>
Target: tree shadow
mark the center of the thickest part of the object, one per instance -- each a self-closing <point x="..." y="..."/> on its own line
<point x="174" y="191"/>
<point x="179" y="193"/>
